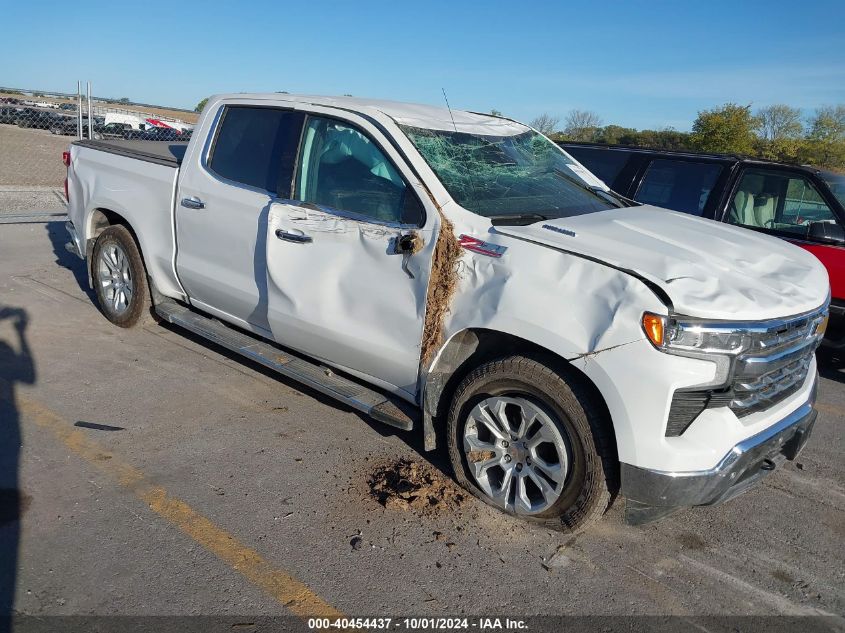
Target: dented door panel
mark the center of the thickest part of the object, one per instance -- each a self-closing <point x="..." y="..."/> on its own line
<point x="340" y="294"/>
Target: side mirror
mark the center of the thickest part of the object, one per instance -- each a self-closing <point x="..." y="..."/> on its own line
<point x="827" y="232"/>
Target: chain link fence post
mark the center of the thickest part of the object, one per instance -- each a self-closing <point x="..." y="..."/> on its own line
<point x="90" y="117"/>
<point x="37" y="126"/>
<point x="79" y="110"/>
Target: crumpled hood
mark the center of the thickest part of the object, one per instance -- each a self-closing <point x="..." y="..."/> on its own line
<point x="708" y="269"/>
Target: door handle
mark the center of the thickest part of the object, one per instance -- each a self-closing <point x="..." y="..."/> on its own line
<point x="193" y="203"/>
<point x="297" y="238"/>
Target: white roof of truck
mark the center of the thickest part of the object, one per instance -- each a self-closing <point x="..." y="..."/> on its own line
<point x="411" y="114"/>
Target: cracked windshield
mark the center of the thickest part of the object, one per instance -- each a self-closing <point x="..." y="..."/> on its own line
<point x="523" y="176"/>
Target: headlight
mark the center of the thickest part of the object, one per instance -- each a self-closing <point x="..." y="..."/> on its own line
<point x="696" y="335"/>
<point x="721" y="342"/>
<point x="821" y="328"/>
<point x="717" y="342"/>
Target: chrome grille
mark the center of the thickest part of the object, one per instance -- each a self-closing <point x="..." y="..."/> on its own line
<point x="777" y="364"/>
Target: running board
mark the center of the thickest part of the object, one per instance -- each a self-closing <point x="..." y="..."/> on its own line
<point x="317" y="377"/>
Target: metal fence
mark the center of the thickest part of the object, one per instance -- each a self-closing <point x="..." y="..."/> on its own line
<point x="36" y="126"/>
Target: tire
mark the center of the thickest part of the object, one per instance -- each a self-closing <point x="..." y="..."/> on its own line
<point x="120" y="278"/>
<point x="561" y="454"/>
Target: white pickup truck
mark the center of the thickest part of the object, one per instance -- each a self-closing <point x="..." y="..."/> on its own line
<point x="460" y="274"/>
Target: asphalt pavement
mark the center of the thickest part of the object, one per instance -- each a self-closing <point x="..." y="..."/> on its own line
<point x="148" y="472"/>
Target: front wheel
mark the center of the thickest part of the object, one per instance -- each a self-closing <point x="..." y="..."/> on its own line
<point x="120" y="279"/>
<point x="533" y="442"/>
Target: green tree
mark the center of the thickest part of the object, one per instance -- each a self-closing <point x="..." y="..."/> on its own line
<point x="123" y="100"/>
<point x="825" y="144"/>
<point x="728" y="129"/>
<point x="201" y="105"/>
<point x="779" y="131"/>
<point x="496" y="112"/>
<point x="828" y="124"/>
<point x="614" y="135"/>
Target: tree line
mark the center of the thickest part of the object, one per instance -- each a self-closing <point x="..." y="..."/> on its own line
<point x="777" y="132"/>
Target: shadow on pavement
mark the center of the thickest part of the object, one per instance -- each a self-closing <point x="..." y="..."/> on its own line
<point x="16" y="366"/>
<point x="58" y="238"/>
<point x="438" y="458"/>
<point x="831" y="364"/>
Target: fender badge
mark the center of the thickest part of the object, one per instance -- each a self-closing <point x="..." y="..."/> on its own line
<point x="481" y="247"/>
<point x="557" y="229"/>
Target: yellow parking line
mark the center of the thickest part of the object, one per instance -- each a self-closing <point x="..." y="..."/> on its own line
<point x="292" y="593"/>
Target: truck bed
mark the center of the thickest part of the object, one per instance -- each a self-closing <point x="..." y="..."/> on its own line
<point x="168" y="153"/>
<point x="136" y="180"/>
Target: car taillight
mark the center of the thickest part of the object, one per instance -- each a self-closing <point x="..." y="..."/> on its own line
<point x="66" y="161"/>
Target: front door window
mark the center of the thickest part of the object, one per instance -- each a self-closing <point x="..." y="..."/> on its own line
<point x="343" y="170"/>
<point x="781" y="202"/>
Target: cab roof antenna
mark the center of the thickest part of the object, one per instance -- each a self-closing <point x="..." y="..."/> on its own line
<point x="446" y="99"/>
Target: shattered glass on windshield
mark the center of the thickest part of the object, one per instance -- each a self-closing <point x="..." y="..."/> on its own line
<point x="501" y="176"/>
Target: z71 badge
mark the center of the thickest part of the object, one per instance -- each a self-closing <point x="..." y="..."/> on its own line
<point x="481" y="247"/>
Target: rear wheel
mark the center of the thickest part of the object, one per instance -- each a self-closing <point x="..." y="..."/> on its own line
<point x="533" y="442"/>
<point x="120" y="279"/>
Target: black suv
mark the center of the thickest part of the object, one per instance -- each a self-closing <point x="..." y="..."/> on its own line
<point x="802" y="204"/>
<point x="35" y="118"/>
<point x="8" y="115"/>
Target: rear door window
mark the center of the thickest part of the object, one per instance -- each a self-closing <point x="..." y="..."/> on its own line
<point x="679" y="185"/>
<point x="257" y="147"/>
<point x="604" y="163"/>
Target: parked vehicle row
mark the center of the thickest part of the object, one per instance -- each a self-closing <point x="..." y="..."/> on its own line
<point x="8" y="115"/>
<point x="62" y="124"/>
<point x="801" y="204"/>
<point x="461" y="275"/>
<point x="37" y="104"/>
<point x="158" y="134"/>
<point x="35" y="118"/>
<point x="26" y="117"/>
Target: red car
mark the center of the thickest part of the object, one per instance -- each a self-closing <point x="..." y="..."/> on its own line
<point x="802" y="204"/>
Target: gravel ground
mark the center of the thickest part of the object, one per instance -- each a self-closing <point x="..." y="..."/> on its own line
<point x="31" y="157"/>
<point x="146" y="455"/>
<point x="19" y="205"/>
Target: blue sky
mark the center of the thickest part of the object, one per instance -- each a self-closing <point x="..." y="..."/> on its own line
<point x="641" y="64"/>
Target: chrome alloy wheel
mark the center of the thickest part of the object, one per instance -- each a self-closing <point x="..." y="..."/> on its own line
<point x="115" y="278"/>
<point x="516" y="454"/>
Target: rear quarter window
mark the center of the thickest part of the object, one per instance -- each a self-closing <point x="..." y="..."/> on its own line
<point x="604" y="163"/>
<point x="679" y="185"/>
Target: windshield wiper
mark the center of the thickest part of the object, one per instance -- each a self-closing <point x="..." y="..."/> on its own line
<point x="610" y="193"/>
<point x="516" y="219"/>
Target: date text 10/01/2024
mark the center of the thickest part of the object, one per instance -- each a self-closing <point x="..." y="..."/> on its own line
<point x="426" y="623"/>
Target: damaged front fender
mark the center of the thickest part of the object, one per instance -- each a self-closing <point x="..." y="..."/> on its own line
<point x="568" y="306"/>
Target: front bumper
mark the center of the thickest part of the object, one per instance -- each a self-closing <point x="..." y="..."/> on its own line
<point x="653" y="494"/>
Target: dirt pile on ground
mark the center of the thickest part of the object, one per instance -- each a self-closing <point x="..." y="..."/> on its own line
<point x="413" y="486"/>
